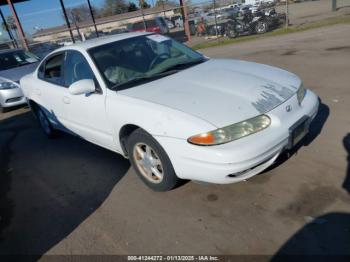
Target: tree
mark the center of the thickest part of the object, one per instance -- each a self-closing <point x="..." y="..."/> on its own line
<point x="161" y="2"/>
<point x="112" y="7"/>
<point x="132" y="7"/>
<point x="143" y="4"/>
<point x="80" y="13"/>
<point x="10" y="21"/>
<point x="76" y="15"/>
<point x="166" y="2"/>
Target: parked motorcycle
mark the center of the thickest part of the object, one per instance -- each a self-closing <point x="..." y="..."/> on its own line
<point x="247" y="23"/>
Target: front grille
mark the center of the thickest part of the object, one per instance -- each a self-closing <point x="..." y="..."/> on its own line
<point x="14" y="99"/>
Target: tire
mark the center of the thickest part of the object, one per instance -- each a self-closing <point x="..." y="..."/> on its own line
<point x="261" y="28"/>
<point x="212" y="31"/>
<point x="192" y="29"/>
<point x="3" y="109"/>
<point x="44" y="123"/>
<point x="154" y="167"/>
<point x="231" y="32"/>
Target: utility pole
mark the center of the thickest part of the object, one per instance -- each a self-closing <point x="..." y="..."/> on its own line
<point x="185" y="19"/>
<point x="163" y="8"/>
<point x="13" y="40"/>
<point x="216" y="22"/>
<point x="93" y="17"/>
<point x="18" y="24"/>
<point x="334" y="5"/>
<point x="287" y="14"/>
<point x="67" y="21"/>
<point x="143" y="15"/>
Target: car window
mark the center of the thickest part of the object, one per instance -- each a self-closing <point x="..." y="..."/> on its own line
<point x="76" y="68"/>
<point x="151" y="23"/>
<point x="17" y="58"/>
<point x="53" y="69"/>
<point x="138" y="26"/>
<point x="141" y="56"/>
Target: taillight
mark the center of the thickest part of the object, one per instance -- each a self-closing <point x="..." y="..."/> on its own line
<point x="156" y="29"/>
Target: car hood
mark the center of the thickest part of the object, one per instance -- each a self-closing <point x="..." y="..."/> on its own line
<point x="15" y="74"/>
<point x="221" y="91"/>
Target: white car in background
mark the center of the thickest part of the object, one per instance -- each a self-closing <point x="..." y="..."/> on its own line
<point x="179" y="22"/>
<point x="14" y="64"/>
<point x="169" y="23"/>
<point x="173" y="112"/>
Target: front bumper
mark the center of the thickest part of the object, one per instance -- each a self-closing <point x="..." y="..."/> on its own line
<point x="243" y="158"/>
<point x="11" y="97"/>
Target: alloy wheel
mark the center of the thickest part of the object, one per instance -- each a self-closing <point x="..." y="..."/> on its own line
<point x="148" y="163"/>
<point x="261" y="28"/>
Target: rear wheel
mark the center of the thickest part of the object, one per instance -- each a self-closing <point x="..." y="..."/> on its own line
<point x="44" y="123"/>
<point x="151" y="162"/>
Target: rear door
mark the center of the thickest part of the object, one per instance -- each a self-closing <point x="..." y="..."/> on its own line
<point x="50" y="90"/>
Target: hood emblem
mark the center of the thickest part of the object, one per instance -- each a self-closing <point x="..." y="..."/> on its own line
<point x="288" y="108"/>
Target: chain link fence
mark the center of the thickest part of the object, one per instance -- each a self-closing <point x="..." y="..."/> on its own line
<point x="204" y="20"/>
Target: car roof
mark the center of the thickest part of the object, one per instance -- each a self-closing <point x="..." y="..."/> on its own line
<point x="100" y="41"/>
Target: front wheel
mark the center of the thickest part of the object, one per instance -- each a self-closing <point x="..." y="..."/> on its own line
<point x="3" y="109"/>
<point x="261" y="28"/>
<point x="151" y="162"/>
<point x="231" y="32"/>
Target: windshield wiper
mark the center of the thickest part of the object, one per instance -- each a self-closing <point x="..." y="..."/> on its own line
<point x="22" y="64"/>
<point x="147" y="78"/>
<point x="184" y="65"/>
<point x="142" y="79"/>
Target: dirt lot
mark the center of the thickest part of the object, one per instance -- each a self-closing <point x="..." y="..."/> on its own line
<point x="66" y="196"/>
<point x="311" y="11"/>
<point x="300" y="14"/>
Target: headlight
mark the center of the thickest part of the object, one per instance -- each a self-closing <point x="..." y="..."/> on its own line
<point x="7" y="84"/>
<point x="232" y="132"/>
<point x="301" y="93"/>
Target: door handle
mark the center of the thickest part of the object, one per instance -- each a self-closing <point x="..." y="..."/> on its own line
<point x="66" y="100"/>
<point x="37" y="92"/>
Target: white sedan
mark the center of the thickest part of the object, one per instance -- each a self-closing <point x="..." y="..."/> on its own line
<point x="14" y="64"/>
<point x="173" y="112"/>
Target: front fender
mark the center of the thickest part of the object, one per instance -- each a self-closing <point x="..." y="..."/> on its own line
<point x="157" y="120"/>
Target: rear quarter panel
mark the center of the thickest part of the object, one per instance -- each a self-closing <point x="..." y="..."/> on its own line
<point x="27" y="83"/>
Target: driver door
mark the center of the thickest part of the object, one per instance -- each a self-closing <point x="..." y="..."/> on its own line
<point x="85" y="114"/>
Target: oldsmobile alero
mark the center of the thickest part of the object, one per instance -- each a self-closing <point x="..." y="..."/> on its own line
<point x="173" y="112"/>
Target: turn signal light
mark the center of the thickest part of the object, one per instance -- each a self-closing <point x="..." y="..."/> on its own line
<point x="202" y="139"/>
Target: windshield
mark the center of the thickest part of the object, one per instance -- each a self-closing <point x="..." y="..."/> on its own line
<point x="141" y="57"/>
<point x="17" y="58"/>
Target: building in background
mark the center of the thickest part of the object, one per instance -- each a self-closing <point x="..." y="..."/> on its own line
<point x="104" y="24"/>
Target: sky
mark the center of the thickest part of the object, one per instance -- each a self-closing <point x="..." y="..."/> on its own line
<point x="36" y="14"/>
<point x="40" y="14"/>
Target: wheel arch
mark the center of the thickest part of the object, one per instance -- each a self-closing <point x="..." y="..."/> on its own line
<point x="33" y="106"/>
<point x="124" y="133"/>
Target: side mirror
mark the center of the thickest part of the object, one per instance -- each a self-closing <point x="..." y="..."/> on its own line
<point x="84" y="86"/>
